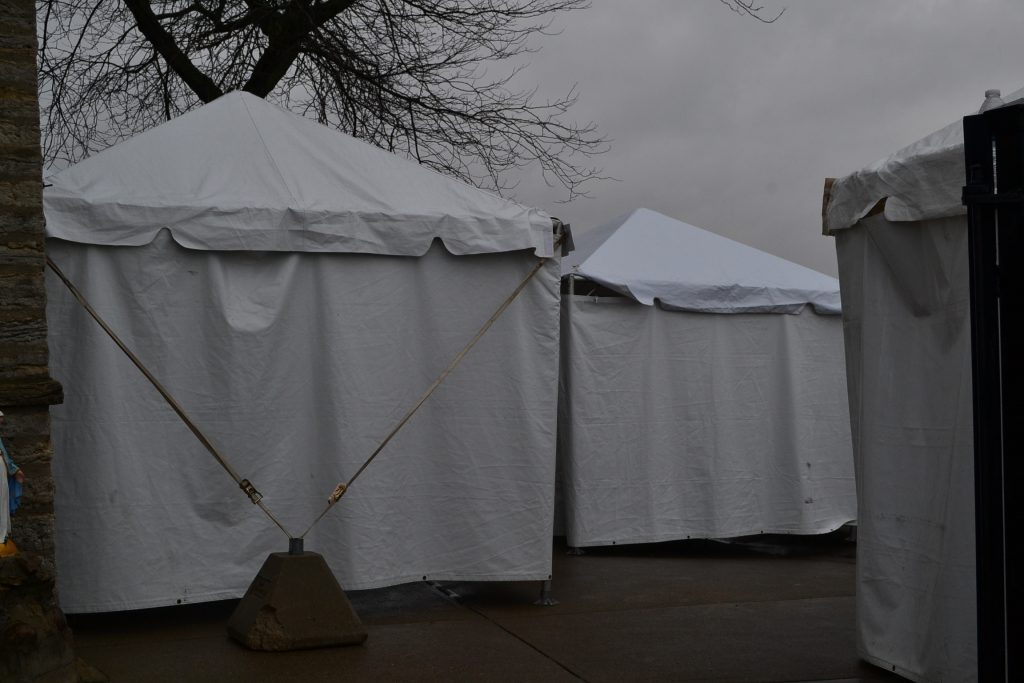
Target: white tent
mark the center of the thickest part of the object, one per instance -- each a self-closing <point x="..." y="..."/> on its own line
<point x="296" y="290"/>
<point x="708" y="400"/>
<point x="901" y="237"/>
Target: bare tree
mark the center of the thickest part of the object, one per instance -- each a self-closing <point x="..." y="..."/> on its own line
<point x="406" y="75"/>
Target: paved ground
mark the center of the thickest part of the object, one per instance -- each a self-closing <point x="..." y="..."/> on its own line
<point x="778" y="609"/>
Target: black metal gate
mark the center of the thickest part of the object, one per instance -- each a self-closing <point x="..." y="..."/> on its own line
<point x="994" y="195"/>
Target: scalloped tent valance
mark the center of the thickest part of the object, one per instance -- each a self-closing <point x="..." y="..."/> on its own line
<point x="918" y="182"/>
<point x="649" y="256"/>
<point x="243" y="174"/>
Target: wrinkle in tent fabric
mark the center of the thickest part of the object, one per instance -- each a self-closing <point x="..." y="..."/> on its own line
<point x="679" y="424"/>
<point x="295" y="363"/>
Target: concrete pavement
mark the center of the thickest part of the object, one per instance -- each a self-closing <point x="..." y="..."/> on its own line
<point x="772" y="609"/>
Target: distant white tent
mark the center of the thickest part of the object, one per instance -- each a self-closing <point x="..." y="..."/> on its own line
<point x="648" y="256"/>
<point x="709" y="399"/>
<point x="296" y="290"/>
<point x="901" y="236"/>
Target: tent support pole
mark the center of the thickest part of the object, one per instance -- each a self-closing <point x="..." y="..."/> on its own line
<point x="545" y="599"/>
<point x="994" y="195"/>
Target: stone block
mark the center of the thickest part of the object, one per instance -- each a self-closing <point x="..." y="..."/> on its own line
<point x="36" y="640"/>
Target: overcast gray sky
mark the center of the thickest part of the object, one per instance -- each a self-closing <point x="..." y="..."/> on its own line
<point x="732" y="125"/>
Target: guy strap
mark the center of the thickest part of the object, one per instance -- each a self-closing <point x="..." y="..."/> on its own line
<point x="343" y="487"/>
<point x="255" y="496"/>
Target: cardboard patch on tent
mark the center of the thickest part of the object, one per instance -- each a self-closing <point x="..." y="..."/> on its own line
<point x="295" y="603"/>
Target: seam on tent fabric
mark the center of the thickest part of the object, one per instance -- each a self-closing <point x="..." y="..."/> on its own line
<point x="266" y="151"/>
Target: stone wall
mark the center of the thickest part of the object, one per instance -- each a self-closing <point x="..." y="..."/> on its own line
<point x="35" y="643"/>
<point x="26" y="389"/>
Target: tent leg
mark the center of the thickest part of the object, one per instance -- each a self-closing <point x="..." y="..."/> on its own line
<point x="545" y="599"/>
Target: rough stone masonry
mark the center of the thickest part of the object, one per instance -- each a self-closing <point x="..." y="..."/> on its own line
<point x="35" y="642"/>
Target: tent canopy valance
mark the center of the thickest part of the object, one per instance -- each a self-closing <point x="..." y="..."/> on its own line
<point x="241" y="174"/>
<point x="918" y="182"/>
<point x="651" y="257"/>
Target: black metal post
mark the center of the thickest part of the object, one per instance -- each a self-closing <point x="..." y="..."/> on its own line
<point x="994" y="195"/>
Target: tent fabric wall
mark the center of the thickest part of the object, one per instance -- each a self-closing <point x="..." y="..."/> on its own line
<point x="679" y="425"/>
<point x="906" y="311"/>
<point x="296" y="365"/>
<point x="904" y="274"/>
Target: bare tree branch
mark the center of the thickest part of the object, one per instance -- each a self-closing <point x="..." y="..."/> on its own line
<point x="164" y="43"/>
<point x="751" y="9"/>
<point x="406" y="75"/>
<point x="286" y="30"/>
<point x="412" y="76"/>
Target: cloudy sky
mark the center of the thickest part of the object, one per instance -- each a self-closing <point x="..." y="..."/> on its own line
<point x="733" y="125"/>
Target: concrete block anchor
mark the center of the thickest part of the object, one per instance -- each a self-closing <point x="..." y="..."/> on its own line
<point x="295" y="603"/>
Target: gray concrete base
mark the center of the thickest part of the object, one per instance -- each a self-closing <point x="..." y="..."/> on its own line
<point x="295" y="603"/>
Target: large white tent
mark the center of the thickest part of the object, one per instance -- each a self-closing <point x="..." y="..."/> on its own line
<point x="706" y="396"/>
<point x="296" y="290"/>
<point x="901" y="237"/>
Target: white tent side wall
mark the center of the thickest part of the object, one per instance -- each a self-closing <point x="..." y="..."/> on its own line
<point x="678" y="425"/>
<point x="906" y="312"/>
<point x="904" y="274"/>
<point x="296" y="365"/>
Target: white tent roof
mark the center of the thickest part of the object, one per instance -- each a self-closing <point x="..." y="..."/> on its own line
<point x="648" y="256"/>
<point x="243" y="174"/>
<point x="920" y="181"/>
